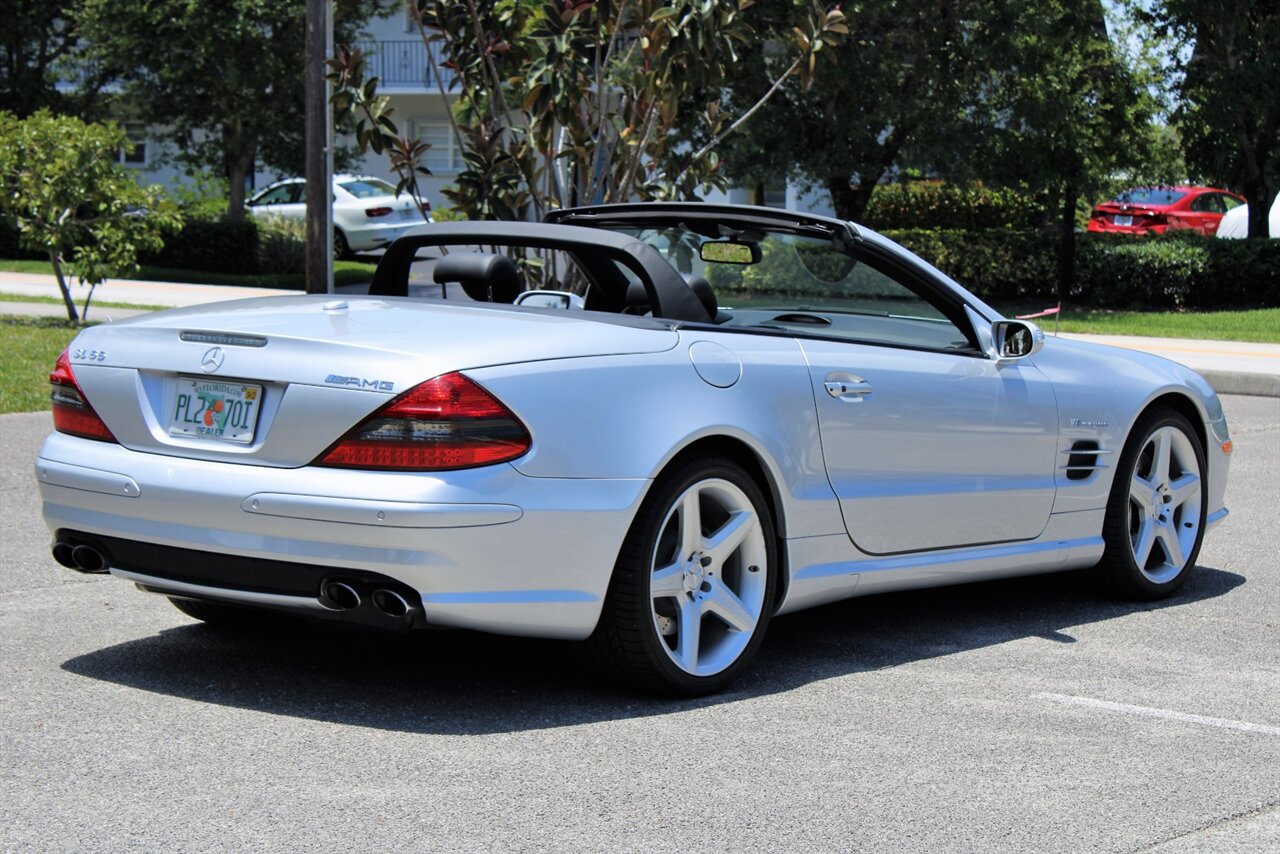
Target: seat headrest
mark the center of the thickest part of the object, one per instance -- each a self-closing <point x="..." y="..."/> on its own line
<point x="484" y="277"/>
<point x="702" y="290"/>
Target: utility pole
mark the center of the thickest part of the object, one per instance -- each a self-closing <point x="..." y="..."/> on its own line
<point x="319" y="149"/>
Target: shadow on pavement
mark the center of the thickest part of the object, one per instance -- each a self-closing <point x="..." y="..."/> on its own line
<point x="455" y="682"/>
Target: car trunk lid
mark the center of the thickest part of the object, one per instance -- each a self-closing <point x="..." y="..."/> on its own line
<point x="304" y="369"/>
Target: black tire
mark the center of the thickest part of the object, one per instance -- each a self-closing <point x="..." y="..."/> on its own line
<point x="341" y="249"/>
<point x="629" y="645"/>
<point x="1162" y="574"/>
<point x="219" y="614"/>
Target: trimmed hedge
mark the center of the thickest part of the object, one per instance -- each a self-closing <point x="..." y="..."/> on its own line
<point x="1111" y="271"/>
<point x="932" y="205"/>
<point x="211" y="246"/>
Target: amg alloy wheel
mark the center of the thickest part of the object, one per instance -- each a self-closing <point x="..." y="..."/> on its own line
<point x="694" y="586"/>
<point x="1156" y="513"/>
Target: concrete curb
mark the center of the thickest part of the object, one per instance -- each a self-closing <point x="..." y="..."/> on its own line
<point x="1239" y="382"/>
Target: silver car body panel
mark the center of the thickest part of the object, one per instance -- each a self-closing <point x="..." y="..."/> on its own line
<point x="888" y="492"/>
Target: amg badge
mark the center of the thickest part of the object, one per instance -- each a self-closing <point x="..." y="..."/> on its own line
<point x="359" y="382"/>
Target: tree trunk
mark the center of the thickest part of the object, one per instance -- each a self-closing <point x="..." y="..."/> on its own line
<point x="848" y="201"/>
<point x="1260" y="198"/>
<point x="72" y="314"/>
<point x="237" y="175"/>
<point x="1067" y="242"/>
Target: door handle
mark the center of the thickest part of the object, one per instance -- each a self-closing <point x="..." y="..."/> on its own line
<point x="850" y="388"/>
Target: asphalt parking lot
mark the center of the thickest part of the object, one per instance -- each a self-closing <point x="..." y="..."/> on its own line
<point x="1026" y="715"/>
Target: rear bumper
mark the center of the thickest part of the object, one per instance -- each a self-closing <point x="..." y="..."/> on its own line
<point x="489" y="549"/>
<point x="361" y="237"/>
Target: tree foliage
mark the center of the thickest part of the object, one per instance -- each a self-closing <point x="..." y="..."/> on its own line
<point x="41" y="57"/>
<point x="566" y="102"/>
<point x="1228" y="109"/>
<point x="895" y="91"/>
<point x="69" y="199"/>
<point x="223" y="81"/>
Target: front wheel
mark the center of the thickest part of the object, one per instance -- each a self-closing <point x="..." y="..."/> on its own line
<point x="1156" y="512"/>
<point x="693" y="588"/>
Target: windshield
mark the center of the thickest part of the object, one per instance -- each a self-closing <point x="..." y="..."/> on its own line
<point x="1150" y="196"/>
<point x="793" y="272"/>
<point x="368" y="188"/>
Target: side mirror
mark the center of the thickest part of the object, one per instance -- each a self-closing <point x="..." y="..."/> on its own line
<point x="1015" y="339"/>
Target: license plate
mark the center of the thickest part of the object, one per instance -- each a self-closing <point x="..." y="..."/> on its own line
<point x="1122" y="220"/>
<point x="215" y="410"/>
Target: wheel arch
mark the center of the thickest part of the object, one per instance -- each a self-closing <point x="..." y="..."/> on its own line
<point x="743" y="454"/>
<point x="1183" y="405"/>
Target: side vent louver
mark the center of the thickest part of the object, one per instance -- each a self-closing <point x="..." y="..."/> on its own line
<point x="1083" y="459"/>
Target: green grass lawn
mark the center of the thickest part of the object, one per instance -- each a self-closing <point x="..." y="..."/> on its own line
<point x="344" y="273"/>
<point x="1259" y="324"/>
<point x="31" y="345"/>
<point x="79" y="303"/>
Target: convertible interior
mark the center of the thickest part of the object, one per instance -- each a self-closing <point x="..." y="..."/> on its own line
<point x="809" y="280"/>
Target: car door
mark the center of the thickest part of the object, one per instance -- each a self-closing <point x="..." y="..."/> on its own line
<point x="283" y="200"/>
<point x="928" y="443"/>
<point x="1206" y="212"/>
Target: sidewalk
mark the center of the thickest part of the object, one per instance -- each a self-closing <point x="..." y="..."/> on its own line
<point x="1231" y="367"/>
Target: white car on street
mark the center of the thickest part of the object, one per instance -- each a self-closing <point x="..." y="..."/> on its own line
<point x="367" y="213"/>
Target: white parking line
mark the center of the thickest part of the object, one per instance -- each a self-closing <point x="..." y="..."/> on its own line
<point x="1167" y="714"/>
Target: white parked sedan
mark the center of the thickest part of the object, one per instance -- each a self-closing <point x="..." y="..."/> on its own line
<point x="367" y="213"/>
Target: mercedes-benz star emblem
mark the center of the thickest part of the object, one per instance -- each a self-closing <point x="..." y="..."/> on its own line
<point x="212" y="360"/>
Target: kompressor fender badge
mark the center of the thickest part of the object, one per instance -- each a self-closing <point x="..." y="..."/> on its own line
<point x="1084" y="422"/>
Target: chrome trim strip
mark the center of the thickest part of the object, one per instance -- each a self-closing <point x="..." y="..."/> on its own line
<point x="378" y="513"/>
<point x="200" y="591"/>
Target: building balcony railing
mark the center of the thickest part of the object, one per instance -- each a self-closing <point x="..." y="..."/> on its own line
<point x="399" y="64"/>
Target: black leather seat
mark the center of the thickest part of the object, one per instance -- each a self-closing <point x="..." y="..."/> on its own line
<point x="484" y="277"/>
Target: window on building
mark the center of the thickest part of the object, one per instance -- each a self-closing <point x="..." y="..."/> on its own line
<point x="134" y="151"/>
<point x="444" y="157"/>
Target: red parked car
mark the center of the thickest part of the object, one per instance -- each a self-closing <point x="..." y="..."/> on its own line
<point x="1159" y="209"/>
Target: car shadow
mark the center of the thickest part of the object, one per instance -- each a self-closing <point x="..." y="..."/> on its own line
<point x="459" y="683"/>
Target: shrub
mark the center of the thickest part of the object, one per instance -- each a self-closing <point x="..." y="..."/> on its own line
<point x="999" y="265"/>
<point x="211" y="246"/>
<point x="282" y="245"/>
<point x="1009" y="266"/>
<point x="934" y="205"/>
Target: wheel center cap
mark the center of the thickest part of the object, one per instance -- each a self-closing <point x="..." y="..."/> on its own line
<point x="694" y="574"/>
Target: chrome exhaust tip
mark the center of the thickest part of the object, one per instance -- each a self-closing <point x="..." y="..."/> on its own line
<point x="339" y="595"/>
<point x="391" y="603"/>
<point x="62" y="553"/>
<point x="88" y="559"/>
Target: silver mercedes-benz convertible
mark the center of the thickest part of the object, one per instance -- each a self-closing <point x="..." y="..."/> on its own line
<point x="652" y="426"/>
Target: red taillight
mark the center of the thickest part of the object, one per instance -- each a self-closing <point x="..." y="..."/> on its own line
<point x="372" y="212"/>
<point x="445" y="423"/>
<point x="71" y="411"/>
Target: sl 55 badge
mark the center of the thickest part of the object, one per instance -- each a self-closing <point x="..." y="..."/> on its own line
<point x="82" y="355"/>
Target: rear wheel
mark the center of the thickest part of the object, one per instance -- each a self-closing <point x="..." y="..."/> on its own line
<point x="693" y="588"/>
<point x="341" y="249"/>
<point x="1156" y="513"/>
